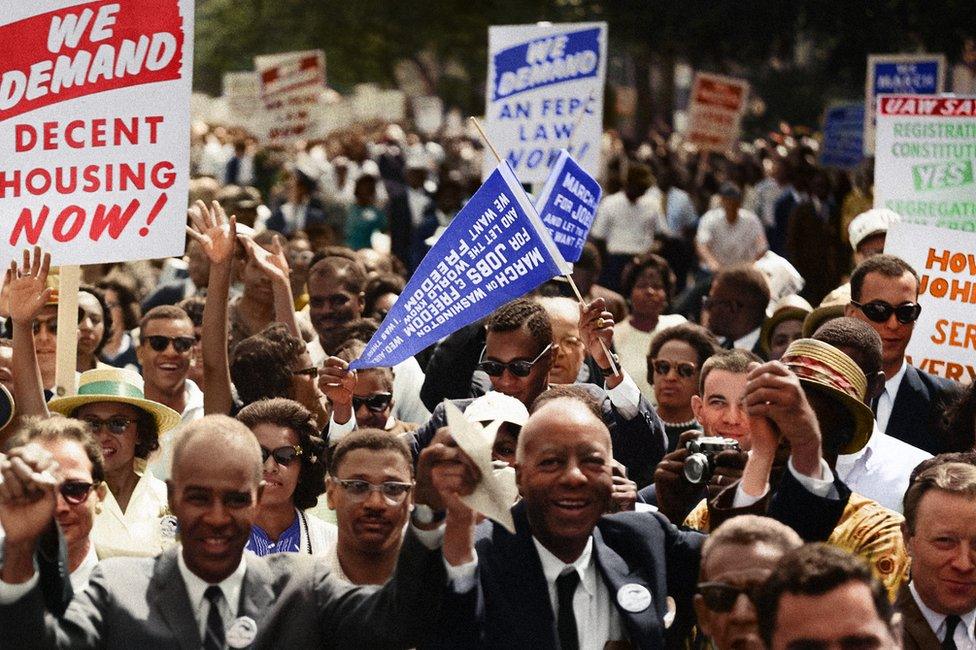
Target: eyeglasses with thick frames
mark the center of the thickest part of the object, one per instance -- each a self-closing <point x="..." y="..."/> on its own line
<point x="181" y="344"/>
<point x="117" y="425"/>
<point x="375" y="402"/>
<point x="518" y="368"/>
<point x="880" y="311"/>
<point x="75" y="492"/>
<point x="685" y="369"/>
<point x="359" y="490"/>
<point x="284" y="456"/>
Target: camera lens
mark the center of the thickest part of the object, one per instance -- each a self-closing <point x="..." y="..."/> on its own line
<point x="696" y="468"/>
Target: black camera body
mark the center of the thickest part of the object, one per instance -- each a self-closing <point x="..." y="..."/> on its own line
<point x="700" y="463"/>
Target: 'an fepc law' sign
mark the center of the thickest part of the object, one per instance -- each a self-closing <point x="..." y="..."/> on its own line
<point x="545" y="93"/>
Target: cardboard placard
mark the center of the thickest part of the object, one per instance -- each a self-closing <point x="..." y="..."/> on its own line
<point x="715" y="111"/>
<point x="290" y="87"/>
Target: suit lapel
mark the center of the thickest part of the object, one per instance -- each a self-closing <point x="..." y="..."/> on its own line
<point x="616" y="573"/>
<point x="916" y="633"/>
<point x="908" y="409"/>
<point x="256" y="594"/>
<point x="173" y="602"/>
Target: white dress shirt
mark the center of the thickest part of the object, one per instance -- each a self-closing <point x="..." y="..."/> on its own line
<point x="880" y="470"/>
<point x="628" y="228"/>
<point x="229" y="586"/>
<point x="886" y="401"/>
<point x="963" y="635"/>
<point x="747" y="342"/>
<point x="597" y="618"/>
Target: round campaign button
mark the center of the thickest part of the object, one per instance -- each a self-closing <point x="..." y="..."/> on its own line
<point x="634" y="598"/>
<point x="168" y="527"/>
<point x="242" y="632"/>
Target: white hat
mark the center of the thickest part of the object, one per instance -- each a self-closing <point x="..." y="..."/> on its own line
<point x="870" y="223"/>
<point x="497" y="406"/>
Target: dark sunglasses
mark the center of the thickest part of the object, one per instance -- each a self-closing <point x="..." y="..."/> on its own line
<point x="181" y="344"/>
<point x="517" y="368"/>
<point x="116" y="425"/>
<point x="721" y="597"/>
<point x="75" y="492"/>
<point x="880" y="311"/>
<point x="684" y="369"/>
<point x="375" y="402"/>
<point x="284" y="456"/>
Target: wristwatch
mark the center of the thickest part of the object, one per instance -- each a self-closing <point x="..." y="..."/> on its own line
<point x="424" y="515"/>
<point x="608" y="372"/>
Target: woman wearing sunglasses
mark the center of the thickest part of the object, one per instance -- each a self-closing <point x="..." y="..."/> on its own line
<point x="294" y="477"/>
<point x="675" y="360"/>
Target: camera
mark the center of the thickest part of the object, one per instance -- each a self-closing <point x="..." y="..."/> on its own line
<point x="700" y="463"/>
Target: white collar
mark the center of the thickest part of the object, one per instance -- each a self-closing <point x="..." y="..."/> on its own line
<point x="552" y="566"/>
<point x="867" y="451"/>
<point x="936" y="620"/>
<point x="79" y="577"/>
<point x="891" y="385"/>
<point x="195" y="586"/>
<point x="748" y="341"/>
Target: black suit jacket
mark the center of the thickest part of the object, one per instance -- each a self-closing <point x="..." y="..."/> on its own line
<point x="638" y="443"/>
<point x="916" y="634"/>
<point x="916" y="417"/>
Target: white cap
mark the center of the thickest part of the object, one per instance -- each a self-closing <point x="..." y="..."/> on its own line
<point x="870" y="223"/>
<point x="497" y="406"/>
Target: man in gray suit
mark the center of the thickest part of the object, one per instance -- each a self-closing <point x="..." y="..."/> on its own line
<point x="206" y="592"/>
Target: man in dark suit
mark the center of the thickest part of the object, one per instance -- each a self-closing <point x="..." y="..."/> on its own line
<point x="573" y="577"/>
<point x="940" y="522"/>
<point x="412" y="214"/>
<point x="736" y="306"/>
<point x="884" y="294"/>
<point x="205" y="592"/>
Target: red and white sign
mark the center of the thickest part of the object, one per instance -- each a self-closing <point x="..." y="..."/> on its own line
<point x="290" y="87"/>
<point x="715" y="111"/>
<point x="94" y="123"/>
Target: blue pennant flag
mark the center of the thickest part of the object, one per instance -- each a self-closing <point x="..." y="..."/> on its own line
<point x="495" y="250"/>
<point x="567" y="205"/>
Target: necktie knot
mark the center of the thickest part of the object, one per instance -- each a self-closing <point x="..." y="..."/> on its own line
<point x="213" y="594"/>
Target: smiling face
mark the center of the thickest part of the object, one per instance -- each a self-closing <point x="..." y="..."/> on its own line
<point x="373" y="524"/>
<point x="279" y="480"/>
<point x="369" y="383"/>
<point x="46" y="342"/>
<point x="564" y="475"/>
<point x="331" y="303"/>
<point x="118" y="450"/>
<point x="164" y="371"/>
<point x="91" y="323"/>
<point x="721" y="408"/>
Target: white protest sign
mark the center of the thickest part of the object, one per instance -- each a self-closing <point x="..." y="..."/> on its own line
<point x="94" y="119"/>
<point x="925" y="157"/>
<point x="290" y="86"/>
<point x="905" y="74"/>
<point x="944" y="340"/>
<point x="545" y="93"/>
<point x="242" y="92"/>
<point x="715" y="111"/>
<point x="428" y="114"/>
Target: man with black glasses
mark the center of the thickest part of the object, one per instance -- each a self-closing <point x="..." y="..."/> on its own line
<point x="884" y="294"/>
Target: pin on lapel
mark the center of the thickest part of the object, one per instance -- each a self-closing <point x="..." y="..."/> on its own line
<point x="634" y="598"/>
<point x="242" y="632"/>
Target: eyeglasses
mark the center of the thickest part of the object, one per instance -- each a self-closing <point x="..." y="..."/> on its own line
<point x="311" y="371"/>
<point x="517" y="368"/>
<point x="721" y="597"/>
<point x="880" y="311"/>
<point x="359" y="490"/>
<point x="117" y="425"/>
<point x="284" y="456"/>
<point x="375" y="402"/>
<point x="75" y="492"/>
<point x="685" y="369"/>
<point x="181" y="344"/>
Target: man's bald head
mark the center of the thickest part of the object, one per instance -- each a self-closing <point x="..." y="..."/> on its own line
<point x="217" y="436"/>
<point x="559" y="407"/>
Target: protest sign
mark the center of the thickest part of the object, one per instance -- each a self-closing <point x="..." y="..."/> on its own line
<point x="428" y="114"/>
<point x="925" y="157"/>
<point x="567" y="205"/>
<point x="944" y="340"/>
<point x="94" y="118"/>
<point x="242" y="92"/>
<point x="495" y="250"/>
<point x="545" y="93"/>
<point x="903" y="74"/>
<point x="843" y="136"/>
<point x="715" y="112"/>
<point x="290" y="86"/>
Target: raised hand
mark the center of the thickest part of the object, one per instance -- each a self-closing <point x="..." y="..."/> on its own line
<point x="27" y="286"/>
<point x="27" y="498"/>
<point x="213" y="230"/>
<point x="273" y="263"/>
<point x="596" y="328"/>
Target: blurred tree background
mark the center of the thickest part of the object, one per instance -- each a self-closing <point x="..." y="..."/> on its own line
<point x="799" y="55"/>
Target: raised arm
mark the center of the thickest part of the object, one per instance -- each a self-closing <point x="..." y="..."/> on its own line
<point x="28" y="295"/>
<point x="274" y="265"/>
<point x="217" y="235"/>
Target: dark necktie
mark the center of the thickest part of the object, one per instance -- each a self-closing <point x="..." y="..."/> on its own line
<point x="565" y="618"/>
<point x="948" y="643"/>
<point x="874" y="404"/>
<point x="213" y="637"/>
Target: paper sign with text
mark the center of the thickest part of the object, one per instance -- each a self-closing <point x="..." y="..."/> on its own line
<point x="944" y="340"/>
<point x="843" y="136"/>
<point x="290" y="87"/>
<point x="715" y="112"/>
<point x="926" y="154"/>
<point x="567" y="205"/>
<point x="242" y="92"/>
<point x="545" y="93"/>
<point x="94" y="124"/>
<point x="903" y="74"/>
<point x="495" y="250"/>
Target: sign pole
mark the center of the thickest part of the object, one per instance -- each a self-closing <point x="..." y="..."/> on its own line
<point x="67" y="351"/>
<point x="569" y="278"/>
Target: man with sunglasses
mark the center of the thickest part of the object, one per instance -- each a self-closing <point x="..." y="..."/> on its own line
<point x="884" y="294"/>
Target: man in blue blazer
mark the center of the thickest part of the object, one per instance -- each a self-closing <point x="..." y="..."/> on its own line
<point x="884" y="294"/>
<point x="573" y="577"/>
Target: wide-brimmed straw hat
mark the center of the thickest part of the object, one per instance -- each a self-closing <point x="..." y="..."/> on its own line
<point x="824" y="367"/>
<point x="832" y="307"/>
<point x="115" y="385"/>
<point x="791" y="307"/>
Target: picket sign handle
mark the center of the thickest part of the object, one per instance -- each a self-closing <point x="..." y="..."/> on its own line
<point x="569" y="278"/>
<point x="65" y="383"/>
